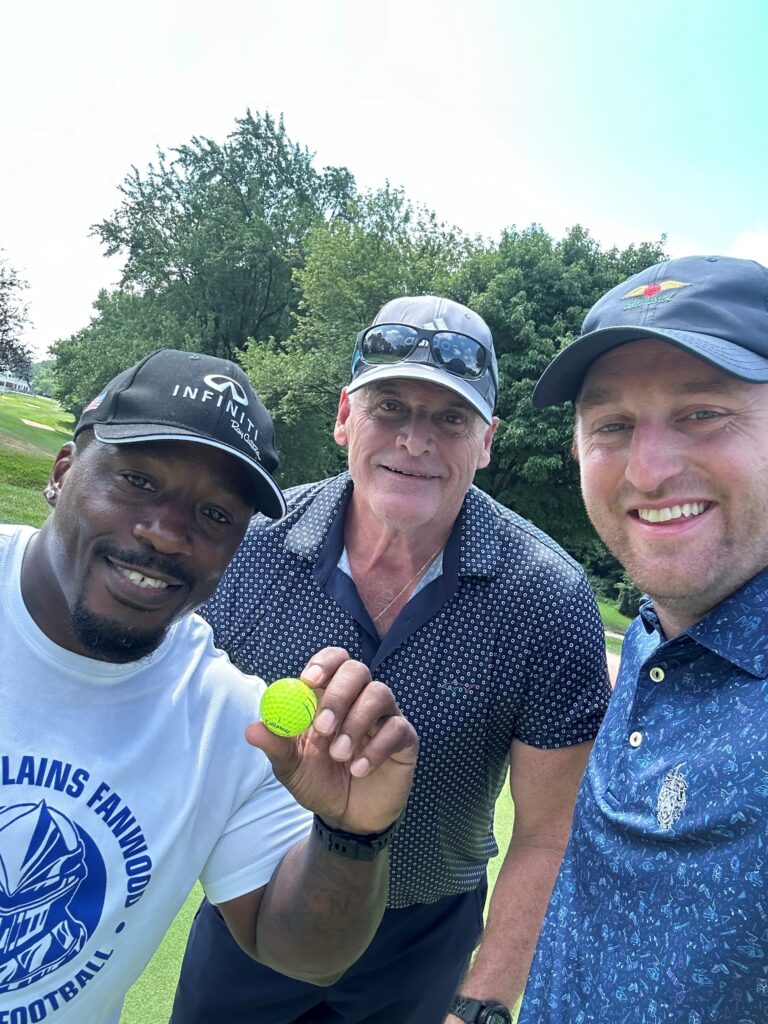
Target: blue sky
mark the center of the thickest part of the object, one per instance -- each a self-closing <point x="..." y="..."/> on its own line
<point x="632" y="120"/>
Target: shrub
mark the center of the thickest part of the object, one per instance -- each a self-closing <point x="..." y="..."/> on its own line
<point x="628" y="602"/>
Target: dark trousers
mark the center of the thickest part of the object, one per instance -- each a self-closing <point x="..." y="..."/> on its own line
<point x="408" y="975"/>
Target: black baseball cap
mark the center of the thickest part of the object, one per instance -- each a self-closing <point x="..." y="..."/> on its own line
<point x="432" y="313"/>
<point x="183" y="396"/>
<point x="715" y="307"/>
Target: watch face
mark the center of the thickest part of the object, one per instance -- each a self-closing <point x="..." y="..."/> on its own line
<point x="493" y="1015"/>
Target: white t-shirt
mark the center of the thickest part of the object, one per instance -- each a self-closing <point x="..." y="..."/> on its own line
<point x="120" y="785"/>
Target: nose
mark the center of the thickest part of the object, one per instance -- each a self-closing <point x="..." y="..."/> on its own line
<point x="416" y="435"/>
<point x="166" y="528"/>
<point x="656" y="455"/>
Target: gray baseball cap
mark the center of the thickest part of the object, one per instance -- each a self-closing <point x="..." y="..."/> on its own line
<point x="715" y="307"/>
<point x="441" y="342"/>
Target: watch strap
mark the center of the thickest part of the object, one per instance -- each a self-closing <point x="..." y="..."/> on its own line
<point x="476" y="1011"/>
<point x="465" y="1008"/>
<point x="354" y="845"/>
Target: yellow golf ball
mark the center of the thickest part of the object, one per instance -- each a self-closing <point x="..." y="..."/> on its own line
<point x="288" y="707"/>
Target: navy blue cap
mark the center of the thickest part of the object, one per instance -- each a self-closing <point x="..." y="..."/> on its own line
<point x="715" y="307"/>
<point x="183" y="396"/>
<point x="432" y="313"/>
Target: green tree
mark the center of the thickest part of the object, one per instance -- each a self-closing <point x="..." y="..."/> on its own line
<point x="211" y="235"/>
<point x="629" y="595"/>
<point x="216" y="230"/>
<point x="126" y="327"/>
<point x="15" y="357"/>
<point x="43" y="378"/>
<point x="381" y="247"/>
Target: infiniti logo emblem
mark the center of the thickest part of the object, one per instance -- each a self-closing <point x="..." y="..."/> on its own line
<point x="232" y="400"/>
<point x="220" y="383"/>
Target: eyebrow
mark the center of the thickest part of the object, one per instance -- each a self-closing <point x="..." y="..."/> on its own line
<point x="597" y="396"/>
<point x="453" y="402"/>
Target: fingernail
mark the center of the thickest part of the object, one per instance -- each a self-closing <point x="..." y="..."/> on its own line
<point x="341" y="747"/>
<point x="325" y="721"/>
<point x="313" y="674"/>
<point x="360" y="767"/>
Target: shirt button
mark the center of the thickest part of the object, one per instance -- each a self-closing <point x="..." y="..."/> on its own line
<point x="635" y="739"/>
<point x="656" y="674"/>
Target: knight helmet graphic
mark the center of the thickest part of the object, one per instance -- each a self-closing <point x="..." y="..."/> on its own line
<point x="42" y="864"/>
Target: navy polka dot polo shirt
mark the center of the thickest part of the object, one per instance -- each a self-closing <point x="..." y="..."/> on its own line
<point x="505" y="643"/>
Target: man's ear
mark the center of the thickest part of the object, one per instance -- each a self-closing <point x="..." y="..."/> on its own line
<point x="490" y="430"/>
<point x="61" y="467"/>
<point x="342" y="415"/>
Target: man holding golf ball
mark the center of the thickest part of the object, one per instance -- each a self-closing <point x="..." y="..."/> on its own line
<point x="124" y="774"/>
<point x="487" y="633"/>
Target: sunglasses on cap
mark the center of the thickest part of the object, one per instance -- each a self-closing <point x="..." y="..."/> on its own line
<point x="394" y="343"/>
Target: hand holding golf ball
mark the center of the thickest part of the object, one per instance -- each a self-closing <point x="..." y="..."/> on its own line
<point x="288" y="707"/>
<point x="338" y="742"/>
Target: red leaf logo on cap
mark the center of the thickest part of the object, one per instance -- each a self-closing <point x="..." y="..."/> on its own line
<point x="652" y="289"/>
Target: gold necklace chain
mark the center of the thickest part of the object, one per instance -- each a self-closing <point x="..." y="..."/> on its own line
<point x="409" y="583"/>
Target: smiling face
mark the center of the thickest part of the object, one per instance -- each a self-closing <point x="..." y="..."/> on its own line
<point x="413" y="448"/>
<point x="140" y="535"/>
<point x="674" y="471"/>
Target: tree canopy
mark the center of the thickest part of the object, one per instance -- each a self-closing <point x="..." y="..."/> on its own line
<point x="216" y="230"/>
<point x="211" y="234"/>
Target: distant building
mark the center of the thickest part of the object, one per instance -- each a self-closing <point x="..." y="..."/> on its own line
<point x="8" y="383"/>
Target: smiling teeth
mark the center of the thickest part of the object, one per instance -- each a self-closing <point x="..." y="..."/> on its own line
<point x="413" y="476"/>
<point x="663" y="515"/>
<point x="141" y="581"/>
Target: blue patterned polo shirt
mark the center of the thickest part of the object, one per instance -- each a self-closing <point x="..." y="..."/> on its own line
<point x="506" y="642"/>
<point x="660" y="910"/>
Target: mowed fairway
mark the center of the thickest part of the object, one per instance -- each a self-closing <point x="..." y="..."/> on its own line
<point x="32" y="430"/>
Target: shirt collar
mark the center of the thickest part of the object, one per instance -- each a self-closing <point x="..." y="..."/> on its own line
<point x="479" y="546"/>
<point x="307" y="536"/>
<point x="736" y="629"/>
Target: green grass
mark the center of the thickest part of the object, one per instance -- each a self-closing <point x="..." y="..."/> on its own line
<point x="24" y="468"/>
<point x="22" y="505"/>
<point x="613" y="645"/>
<point x="612" y="618"/>
<point x="503" y="820"/>
<point x="23" y="475"/>
<point x="14" y="409"/>
<point x="150" y="999"/>
<point x="27" y="453"/>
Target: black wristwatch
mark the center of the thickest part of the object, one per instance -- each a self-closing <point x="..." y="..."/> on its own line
<point x="350" y="844"/>
<point x="475" y="1011"/>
